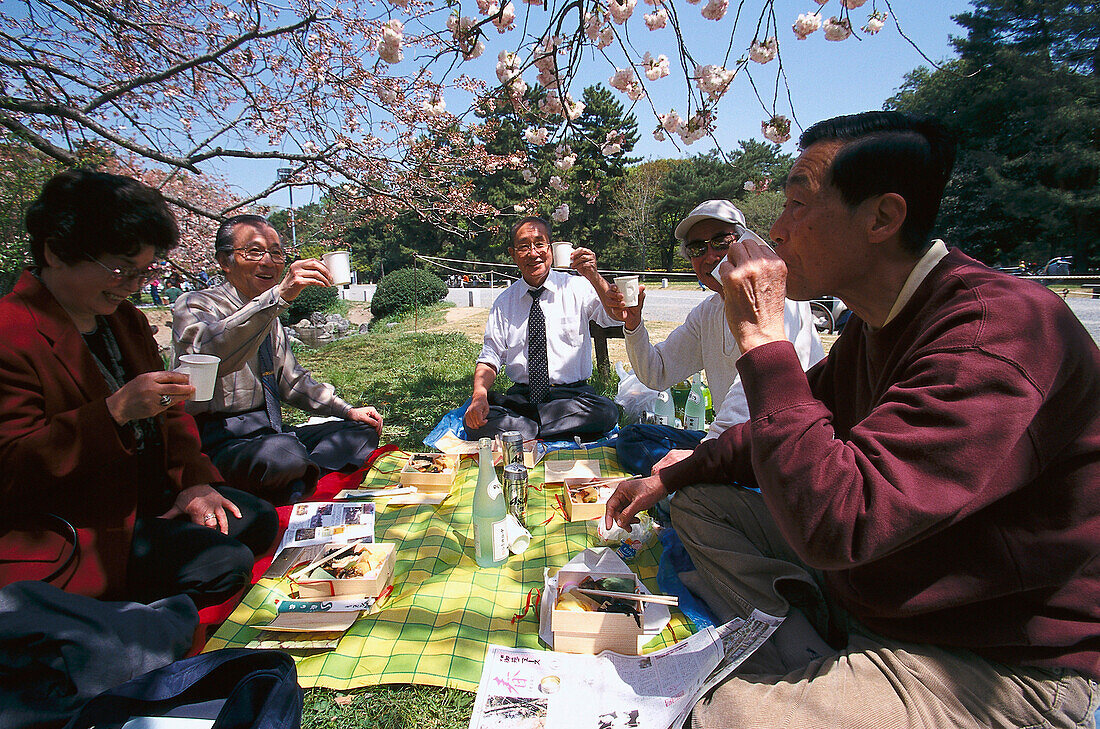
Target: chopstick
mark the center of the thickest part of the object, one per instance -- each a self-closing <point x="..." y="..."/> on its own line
<point x="658" y="599"/>
<point x="600" y="482"/>
<point x="324" y="558"/>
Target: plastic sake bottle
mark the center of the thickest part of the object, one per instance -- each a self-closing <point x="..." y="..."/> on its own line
<point x="664" y="409"/>
<point x="695" y="409"/>
<point x="490" y="509"/>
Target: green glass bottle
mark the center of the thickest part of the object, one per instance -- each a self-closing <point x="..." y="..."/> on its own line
<point x="680" y="392"/>
<point x="490" y="509"/>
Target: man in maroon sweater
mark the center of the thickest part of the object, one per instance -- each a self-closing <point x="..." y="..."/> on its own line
<point x="929" y="494"/>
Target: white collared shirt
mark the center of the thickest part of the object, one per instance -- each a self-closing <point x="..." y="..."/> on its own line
<point x="568" y="304"/>
<point x="927" y="262"/>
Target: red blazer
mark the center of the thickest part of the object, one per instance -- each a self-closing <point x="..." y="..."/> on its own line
<point x="60" y="451"/>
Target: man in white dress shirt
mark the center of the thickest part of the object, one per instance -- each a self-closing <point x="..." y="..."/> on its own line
<point x="703" y="342"/>
<point x="538" y="331"/>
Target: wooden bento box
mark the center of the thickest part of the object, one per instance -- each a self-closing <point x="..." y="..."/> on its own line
<point x="373" y="582"/>
<point x="577" y="507"/>
<point x="593" y="632"/>
<point x="430" y="472"/>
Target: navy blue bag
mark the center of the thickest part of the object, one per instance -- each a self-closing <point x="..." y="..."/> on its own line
<point x="243" y="689"/>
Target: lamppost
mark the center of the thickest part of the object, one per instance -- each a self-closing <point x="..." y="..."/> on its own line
<point x="285" y="174"/>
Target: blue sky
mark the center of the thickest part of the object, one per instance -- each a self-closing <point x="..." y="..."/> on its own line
<point x="825" y="78"/>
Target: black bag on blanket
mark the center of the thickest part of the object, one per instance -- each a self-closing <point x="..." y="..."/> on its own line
<point x="238" y="688"/>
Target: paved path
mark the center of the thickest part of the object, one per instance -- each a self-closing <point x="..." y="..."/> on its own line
<point x="673" y="305"/>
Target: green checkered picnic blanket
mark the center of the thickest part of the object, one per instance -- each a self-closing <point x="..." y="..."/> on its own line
<point x="444" y="609"/>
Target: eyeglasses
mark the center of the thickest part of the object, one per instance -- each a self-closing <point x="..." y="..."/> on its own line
<point x="720" y="243"/>
<point x="255" y="253"/>
<point x="537" y="248"/>
<point x="128" y="275"/>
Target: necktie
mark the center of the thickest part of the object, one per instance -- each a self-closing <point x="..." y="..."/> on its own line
<point x="538" y="375"/>
<point x="271" y="388"/>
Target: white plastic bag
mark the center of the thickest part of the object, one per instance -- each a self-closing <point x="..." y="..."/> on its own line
<point x="635" y="398"/>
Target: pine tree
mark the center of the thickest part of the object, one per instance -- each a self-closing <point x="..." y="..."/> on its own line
<point x="1024" y="97"/>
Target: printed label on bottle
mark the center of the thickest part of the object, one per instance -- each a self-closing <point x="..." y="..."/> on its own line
<point x="663" y="420"/>
<point x="500" y="541"/>
<point x="694" y="423"/>
<point x="695" y="397"/>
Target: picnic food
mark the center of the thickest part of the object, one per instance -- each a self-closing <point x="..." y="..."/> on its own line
<point x="615" y="604"/>
<point x="428" y="463"/>
<point x="355" y="565"/>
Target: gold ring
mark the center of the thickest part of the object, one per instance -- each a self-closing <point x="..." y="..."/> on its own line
<point x="165" y="400"/>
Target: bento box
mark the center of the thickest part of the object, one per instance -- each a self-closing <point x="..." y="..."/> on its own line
<point x="592" y="632"/>
<point x="371" y="564"/>
<point x="430" y="472"/>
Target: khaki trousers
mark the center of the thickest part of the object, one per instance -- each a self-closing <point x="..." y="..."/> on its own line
<point x="869" y="680"/>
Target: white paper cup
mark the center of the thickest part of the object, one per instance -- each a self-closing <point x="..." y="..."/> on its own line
<point x="202" y="371"/>
<point x="628" y="287"/>
<point x="518" y="537"/>
<point x="563" y="253"/>
<point x="338" y="264"/>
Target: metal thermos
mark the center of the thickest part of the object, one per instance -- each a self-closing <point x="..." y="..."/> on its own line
<point x="515" y="491"/>
<point x="512" y="444"/>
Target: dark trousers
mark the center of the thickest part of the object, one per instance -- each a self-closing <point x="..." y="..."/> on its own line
<point x="283" y="467"/>
<point x="570" y="410"/>
<point x="640" y="445"/>
<point x="176" y="556"/>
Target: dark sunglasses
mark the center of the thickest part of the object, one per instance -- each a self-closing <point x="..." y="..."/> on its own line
<point x="720" y="243"/>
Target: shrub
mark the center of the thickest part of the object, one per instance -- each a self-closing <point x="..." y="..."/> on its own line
<point x="311" y="299"/>
<point x="403" y="290"/>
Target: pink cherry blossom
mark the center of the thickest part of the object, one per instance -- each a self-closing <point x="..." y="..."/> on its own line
<point x="506" y="19"/>
<point x="715" y="9"/>
<point x="657" y="19"/>
<point x="837" y="29"/>
<point x="389" y="49"/>
<point x="777" y="129"/>
<point x="875" y="22"/>
<point x="557" y="184"/>
<point x="607" y="37"/>
<point x="671" y="122"/>
<point x="434" y="107"/>
<point x="528" y="174"/>
<point x="763" y="52"/>
<point x="807" y="23"/>
<point x="561" y="213"/>
<point x="573" y="109"/>
<point x="713" y="80"/>
<point x="655" y="68"/>
<point x="853" y="4"/>
<point x="659" y="134"/>
<point x="536" y="136"/>
<point x="565" y="162"/>
<point x="622" y="80"/>
<point x="621" y="10"/>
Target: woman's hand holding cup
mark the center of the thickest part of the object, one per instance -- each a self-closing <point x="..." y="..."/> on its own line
<point x="147" y="395"/>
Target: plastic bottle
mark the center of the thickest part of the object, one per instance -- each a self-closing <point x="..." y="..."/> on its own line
<point x="664" y="410"/>
<point x="490" y="510"/>
<point x="709" y="402"/>
<point x="695" y="410"/>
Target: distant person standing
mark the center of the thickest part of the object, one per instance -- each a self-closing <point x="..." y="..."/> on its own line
<point x="154" y="291"/>
<point x="173" y="291"/>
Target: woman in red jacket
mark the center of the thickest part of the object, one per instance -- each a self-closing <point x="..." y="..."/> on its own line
<point x="92" y="429"/>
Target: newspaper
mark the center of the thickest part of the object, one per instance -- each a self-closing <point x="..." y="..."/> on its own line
<point x="324" y="522"/>
<point x="526" y="687"/>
